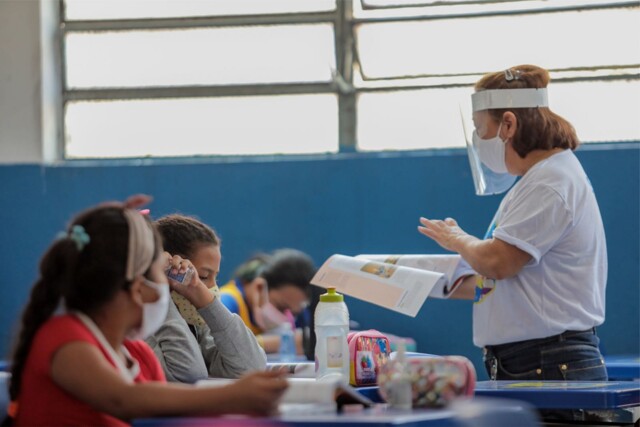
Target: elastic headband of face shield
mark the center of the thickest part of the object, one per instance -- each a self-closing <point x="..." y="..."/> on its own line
<point x="492" y="99"/>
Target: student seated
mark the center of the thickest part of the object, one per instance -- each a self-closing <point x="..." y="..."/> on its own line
<point x="285" y="276"/>
<point x="86" y="365"/>
<point x="200" y="337"/>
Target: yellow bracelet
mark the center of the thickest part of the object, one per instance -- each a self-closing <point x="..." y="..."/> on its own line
<point x="260" y="340"/>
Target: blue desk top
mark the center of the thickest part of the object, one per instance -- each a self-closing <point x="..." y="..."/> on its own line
<point x="622" y="367"/>
<point x="366" y="418"/>
<point x="566" y="395"/>
<point x="465" y="413"/>
<point x="554" y="394"/>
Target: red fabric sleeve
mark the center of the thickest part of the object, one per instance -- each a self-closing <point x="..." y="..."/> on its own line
<point x="150" y="368"/>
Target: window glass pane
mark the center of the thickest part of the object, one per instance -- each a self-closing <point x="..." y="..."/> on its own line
<point x="430" y="118"/>
<point x="131" y="9"/>
<point x="600" y="111"/>
<point x="203" y="126"/>
<point x="478" y="45"/>
<point x="262" y="54"/>
<point x="436" y="8"/>
<point x="406" y="120"/>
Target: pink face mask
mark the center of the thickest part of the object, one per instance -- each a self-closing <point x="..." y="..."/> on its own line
<point x="268" y="317"/>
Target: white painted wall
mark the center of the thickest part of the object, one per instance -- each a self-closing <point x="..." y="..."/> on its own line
<point x="29" y="88"/>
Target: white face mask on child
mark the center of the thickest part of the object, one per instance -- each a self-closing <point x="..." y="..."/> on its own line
<point x="268" y="317"/>
<point x="153" y="313"/>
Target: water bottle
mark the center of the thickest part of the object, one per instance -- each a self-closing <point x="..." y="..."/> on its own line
<point x="400" y="389"/>
<point x="287" y="343"/>
<point x="331" y="320"/>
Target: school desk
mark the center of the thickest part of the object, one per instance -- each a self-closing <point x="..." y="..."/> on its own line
<point x="617" y="401"/>
<point x="621" y="368"/>
<point x="613" y="402"/>
<point x="471" y="413"/>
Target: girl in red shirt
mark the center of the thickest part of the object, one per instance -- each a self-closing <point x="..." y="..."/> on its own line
<point x="88" y="365"/>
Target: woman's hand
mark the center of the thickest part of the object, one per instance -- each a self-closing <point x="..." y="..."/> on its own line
<point x="258" y="393"/>
<point x="446" y="233"/>
<point x="195" y="291"/>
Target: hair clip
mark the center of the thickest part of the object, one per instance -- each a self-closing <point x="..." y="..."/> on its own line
<point x="508" y="75"/>
<point x="78" y="235"/>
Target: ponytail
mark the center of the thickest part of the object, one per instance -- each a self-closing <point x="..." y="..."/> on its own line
<point x="46" y="294"/>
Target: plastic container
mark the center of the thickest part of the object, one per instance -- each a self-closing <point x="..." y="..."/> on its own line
<point x="398" y="386"/>
<point x="287" y="343"/>
<point x="331" y="320"/>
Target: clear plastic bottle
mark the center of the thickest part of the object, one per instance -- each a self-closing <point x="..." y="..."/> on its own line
<point x="400" y="388"/>
<point x="331" y="320"/>
<point x="287" y="343"/>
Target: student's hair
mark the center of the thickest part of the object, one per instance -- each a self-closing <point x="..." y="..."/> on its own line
<point x="251" y="268"/>
<point x="182" y="235"/>
<point x="289" y="267"/>
<point x="538" y="128"/>
<point x="83" y="277"/>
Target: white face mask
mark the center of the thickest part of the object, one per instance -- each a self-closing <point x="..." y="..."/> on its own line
<point x="491" y="151"/>
<point x="153" y="313"/>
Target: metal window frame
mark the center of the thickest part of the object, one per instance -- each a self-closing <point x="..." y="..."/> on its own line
<point x="346" y="51"/>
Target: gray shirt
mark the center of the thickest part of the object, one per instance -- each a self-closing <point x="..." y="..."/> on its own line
<point x="224" y="348"/>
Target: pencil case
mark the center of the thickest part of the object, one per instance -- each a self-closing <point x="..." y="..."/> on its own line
<point x="368" y="352"/>
<point x="435" y="381"/>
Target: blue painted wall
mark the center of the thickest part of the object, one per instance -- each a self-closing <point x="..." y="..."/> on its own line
<point x="346" y="203"/>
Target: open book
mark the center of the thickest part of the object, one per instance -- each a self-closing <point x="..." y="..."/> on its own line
<point x="308" y="395"/>
<point x="400" y="283"/>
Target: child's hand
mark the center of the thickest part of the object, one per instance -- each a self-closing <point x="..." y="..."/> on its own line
<point x="195" y="291"/>
<point x="258" y="393"/>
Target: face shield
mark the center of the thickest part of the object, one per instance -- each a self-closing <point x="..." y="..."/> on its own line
<point x="486" y="155"/>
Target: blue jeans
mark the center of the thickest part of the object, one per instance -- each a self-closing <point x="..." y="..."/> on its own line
<point x="570" y="356"/>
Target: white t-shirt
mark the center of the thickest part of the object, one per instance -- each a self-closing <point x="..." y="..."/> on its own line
<point x="552" y="214"/>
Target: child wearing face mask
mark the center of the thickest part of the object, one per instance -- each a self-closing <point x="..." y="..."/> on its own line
<point x="200" y="337"/>
<point x="267" y="291"/>
<point x="78" y="361"/>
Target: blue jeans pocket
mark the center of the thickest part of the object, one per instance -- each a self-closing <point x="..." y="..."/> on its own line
<point x="584" y="370"/>
<point x="574" y="362"/>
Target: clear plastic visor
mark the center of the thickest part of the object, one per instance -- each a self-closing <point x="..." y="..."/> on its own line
<point x="486" y="181"/>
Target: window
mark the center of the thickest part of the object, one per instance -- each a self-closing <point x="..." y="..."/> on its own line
<point x="173" y="78"/>
<point x="418" y="61"/>
<point x="194" y="78"/>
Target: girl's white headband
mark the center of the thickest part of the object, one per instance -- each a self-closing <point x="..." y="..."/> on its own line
<point x="509" y="98"/>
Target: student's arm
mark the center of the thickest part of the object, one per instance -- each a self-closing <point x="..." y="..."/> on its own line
<point x="177" y="349"/>
<point x="78" y="366"/>
<point x="271" y="342"/>
<point x="229" y="348"/>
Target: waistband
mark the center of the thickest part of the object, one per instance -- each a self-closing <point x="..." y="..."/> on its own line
<point x="521" y="345"/>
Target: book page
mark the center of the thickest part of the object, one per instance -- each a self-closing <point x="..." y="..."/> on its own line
<point x="445" y="264"/>
<point x="398" y="288"/>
